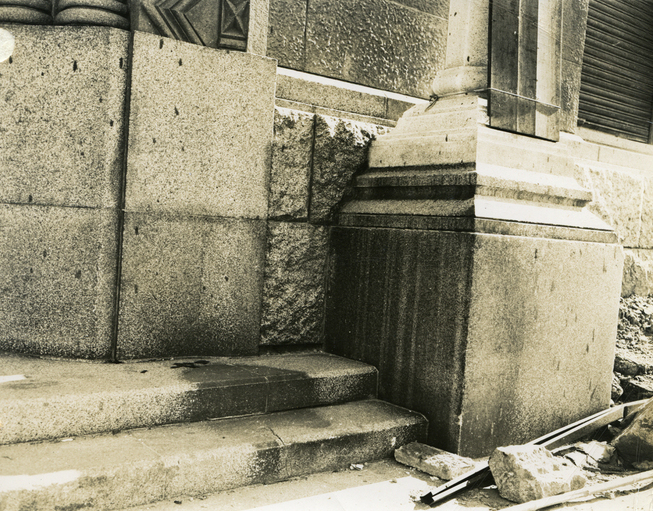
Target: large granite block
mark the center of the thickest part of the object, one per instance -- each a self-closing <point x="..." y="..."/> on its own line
<point x="292" y="151"/>
<point x="495" y="339"/>
<point x="293" y="291"/>
<point x="340" y="151"/>
<point x="378" y="43"/>
<point x="200" y="129"/>
<point x="286" y="38"/>
<point x="61" y="116"/>
<point x="190" y="286"/>
<point x="57" y="280"/>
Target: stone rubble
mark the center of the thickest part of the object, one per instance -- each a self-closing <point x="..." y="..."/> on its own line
<point x="635" y="442"/>
<point x="528" y="472"/>
<point x="436" y="462"/>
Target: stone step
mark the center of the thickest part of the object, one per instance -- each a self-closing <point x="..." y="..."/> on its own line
<point x="47" y="399"/>
<point x="115" y="471"/>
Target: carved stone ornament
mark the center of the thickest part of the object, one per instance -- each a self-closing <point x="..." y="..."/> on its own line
<point x="33" y="12"/>
<point x="213" y="23"/>
<point x="109" y="13"/>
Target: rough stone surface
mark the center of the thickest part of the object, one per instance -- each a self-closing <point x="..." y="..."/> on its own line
<point x="616" y="390"/>
<point x="646" y="232"/>
<point x="200" y="129"/>
<point x="286" y="37"/>
<point x="292" y="150"/>
<point x="190" y="286"/>
<point x="435" y="462"/>
<point x="635" y="443"/>
<point x="61" y="116"/>
<point x="639" y="387"/>
<point x="57" y="276"/>
<point x="529" y="472"/>
<point x="616" y="198"/>
<point x="341" y="149"/>
<point x="293" y="292"/>
<point x="638" y="273"/>
<point x="375" y="42"/>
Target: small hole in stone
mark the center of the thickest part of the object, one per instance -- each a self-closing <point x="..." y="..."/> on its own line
<point x="100" y="100"/>
<point x="154" y="140"/>
<point x="75" y="65"/>
<point x="42" y="74"/>
<point x="160" y="43"/>
<point x="82" y="153"/>
<point x="110" y="123"/>
<point x="11" y="60"/>
<point x="121" y="62"/>
<point x="468" y="58"/>
<point x="226" y="279"/>
<point x="176" y="111"/>
<point x="136" y="288"/>
<point x="180" y="62"/>
<point x="136" y="230"/>
<point x="29" y="198"/>
<point x="31" y="270"/>
<point x="78" y="274"/>
<point x="45" y="253"/>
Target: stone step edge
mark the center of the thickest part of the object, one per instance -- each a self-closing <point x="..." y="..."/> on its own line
<point x="70" y="415"/>
<point x="149" y="465"/>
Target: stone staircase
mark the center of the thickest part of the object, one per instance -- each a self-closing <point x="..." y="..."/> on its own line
<point x="77" y="435"/>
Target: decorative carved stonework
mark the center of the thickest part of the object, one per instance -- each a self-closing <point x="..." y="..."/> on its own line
<point x="110" y="13"/>
<point x="212" y="23"/>
<point x="33" y="12"/>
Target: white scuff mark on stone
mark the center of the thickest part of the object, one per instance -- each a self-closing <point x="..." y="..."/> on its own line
<point x="13" y="377"/>
<point x="7" y="44"/>
<point x="33" y="482"/>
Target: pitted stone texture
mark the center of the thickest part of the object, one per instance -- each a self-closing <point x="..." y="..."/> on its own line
<point x="200" y="129"/>
<point x="190" y="286"/>
<point x="436" y="462"/>
<point x="340" y="150"/>
<point x="529" y="472"/>
<point x="638" y="273"/>
<point x="635" y="443"/>
<point x="375" y="42"/>
<point x="646" y="232"/>
<point x="61" y="116"/>
<point x="617" y="199"/>
<point x="286" y="36"/>
<point x="292" y="149"/>
<point x="57" y="276"/>
<point x="293" y="292"/>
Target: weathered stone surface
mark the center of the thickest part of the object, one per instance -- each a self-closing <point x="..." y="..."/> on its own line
<point x="638" y="273"/>
<point x="58" y="278"/>
<point x="61" y="116"/>
<point x="624" y="363"/>
<point x="200" y="129"/>
<point x="286" y="36"/>
<point x="293" y="291"/>
<point x="616" y="391"/>
<point x="435" y="462"/>
<point x="617" y="199"/>
<point x="341" y="148"/>
<point x="24" y="14"/>
<point x="635" y="443"/>
<point x="529" y="472"/>
<point x="190" y="286"/>
<point x="639" y="387"/>
<point x="375" y="42"/>
<point x="107" y="15"/>
<point x="646" y="231"/>
<point x="292" y="149"/>
<point x="600" y="452"/>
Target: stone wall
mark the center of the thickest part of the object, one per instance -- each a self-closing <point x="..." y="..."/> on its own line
<point x="391" y="45"/>
<point x="314" y="157"/>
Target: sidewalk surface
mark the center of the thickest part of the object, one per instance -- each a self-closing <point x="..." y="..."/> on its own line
<point x="379" y="486"/>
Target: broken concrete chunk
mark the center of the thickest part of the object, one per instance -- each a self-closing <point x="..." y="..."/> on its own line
<point x="435" y="462"/>
<point x="598" y="451"/>
<point x="635" y="443"/>
<point x="529" y="472"/>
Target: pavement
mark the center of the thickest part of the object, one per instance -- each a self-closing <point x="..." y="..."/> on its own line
<point x="379" y="486"/>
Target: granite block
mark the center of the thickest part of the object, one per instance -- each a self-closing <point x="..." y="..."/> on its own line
<point x="340" y="151"/>
<point x="293" y="291"/>
<point x="200" y="131"/>
<point x="378" y="43"/>
<point x="190" y="286"/>
<point x="57" y="280"/>
<point x="638" y="273"/>
<point x="292" y="151"/>
<point x="286" y="36"/>
<point x="495" y="339"/>
<point x="61" y="116"/>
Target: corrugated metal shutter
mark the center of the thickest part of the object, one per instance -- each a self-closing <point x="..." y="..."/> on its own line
<point x="616" y="94"/>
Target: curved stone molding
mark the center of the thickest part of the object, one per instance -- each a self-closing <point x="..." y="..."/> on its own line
<point x="110" y="13"/>
<point x="33" y="12"/>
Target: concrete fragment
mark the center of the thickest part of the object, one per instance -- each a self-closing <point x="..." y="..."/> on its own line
<point x="599" y="451"/>
<point x="529" y="472"/>
<point x="635" y="443"/>
<point x="639" y="387"/>
<point x="436" y="462"/>
<point x="616" y="391"/>
<point x="625" y="364"/>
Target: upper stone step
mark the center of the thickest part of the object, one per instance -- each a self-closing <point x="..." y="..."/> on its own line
<point x="147" y="465"/>
<point x="45" y="399"/>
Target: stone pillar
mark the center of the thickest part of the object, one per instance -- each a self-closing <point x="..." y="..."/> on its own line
<point x="467" y="267"/>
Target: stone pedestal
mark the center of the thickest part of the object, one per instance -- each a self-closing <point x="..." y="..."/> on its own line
<point x="470" y="272"/>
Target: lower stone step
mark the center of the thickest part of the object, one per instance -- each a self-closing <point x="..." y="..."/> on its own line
<point x="45" y="399"/>
<point x="148" y="465"/>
